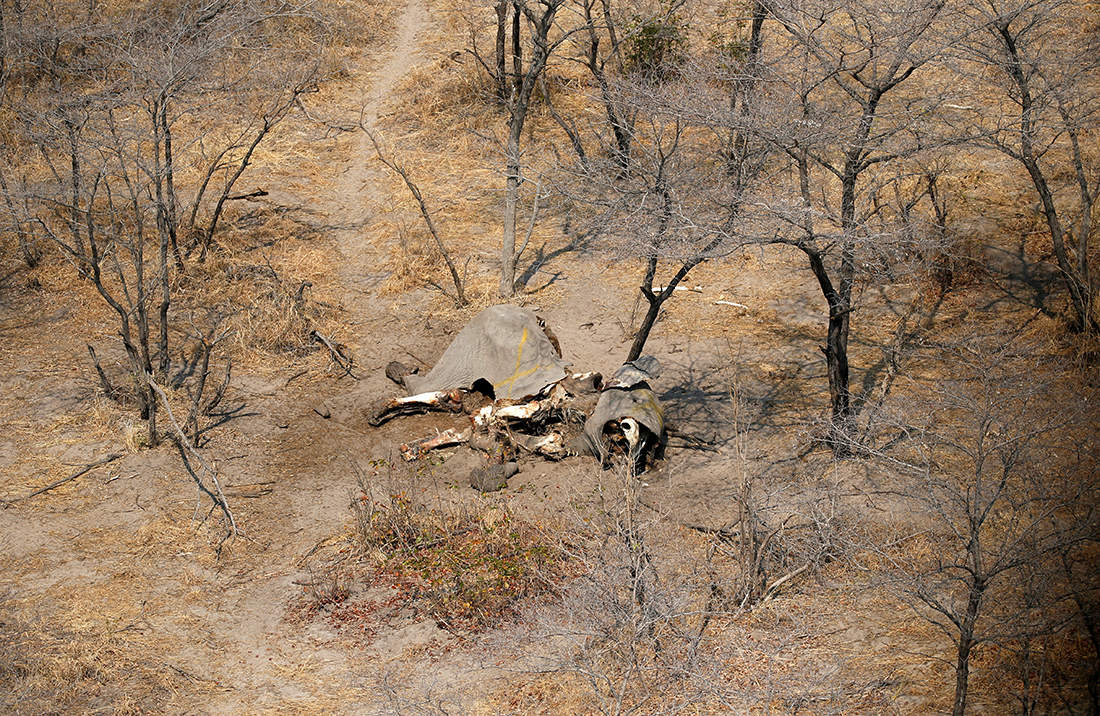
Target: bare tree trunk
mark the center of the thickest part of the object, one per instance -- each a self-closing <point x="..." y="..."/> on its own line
<point x="742" y="91"/>
<point x="3" y="52"/>
<point x="965" y="646"/>
<point x="836" y="340"/>
<point x="31" y="254"/>
<point x="655" y="301"/>
<point x="519" y="103"/>
<point x="1076" y="277"/>
<point x="498" y="56"/>
<point x="170" y="187"/>
<point x="74" y="186"/>
<point x="1079" y="586"/>
<point x="511" y="203"/>
<point x="165" y="231"/>
<point x="517" y="49"/>
<point x="618" y="118"/>
<point x="208" y="236"/>
<point x="836" y="360"/>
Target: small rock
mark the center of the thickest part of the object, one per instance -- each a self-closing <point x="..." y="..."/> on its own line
<point x="488" y="478"/>
<point x="397" y="372"/>
<point x="323" y="410"/>
<point x="510" y="468"/>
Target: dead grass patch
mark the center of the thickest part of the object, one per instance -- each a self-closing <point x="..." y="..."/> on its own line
<point x="466" y="567"/>
<point x="84" y="658"/>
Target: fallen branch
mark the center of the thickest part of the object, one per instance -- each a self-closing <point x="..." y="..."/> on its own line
<point x="338" y="356"/>
<point x="252" y="489"/>
<point x="692" y="442"/>
<point x="86" y="469"/>
<point x="194" y="678"/>
<point x="423" y="362"/>
<point x="723" y="533"/>
<point x="688" y="445"/>
<point x="250" y="195"/>
<point x="661" y="289"/>
<point x="773" y="588"/>
<point x="220" y="392"/>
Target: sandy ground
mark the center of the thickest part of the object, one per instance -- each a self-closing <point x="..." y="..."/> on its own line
<point x="114" y="556"/>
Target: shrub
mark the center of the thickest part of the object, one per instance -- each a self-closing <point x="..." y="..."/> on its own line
<point x="464" y="567"/>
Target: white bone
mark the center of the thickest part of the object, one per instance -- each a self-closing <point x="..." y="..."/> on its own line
<point x="631" y="432"/>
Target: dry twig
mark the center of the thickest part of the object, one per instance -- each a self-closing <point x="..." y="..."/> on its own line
<point x="86" y="469"/>
<point x="186" y="446"/>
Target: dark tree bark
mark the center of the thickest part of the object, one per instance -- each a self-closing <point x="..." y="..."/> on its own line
<point x="965" y="645"/>
<point x="1027" y="73"/>
<point x="517" y="47"/>
<point x="845" y="96"/>
<point x="499" y="50"/>
<point x="619" y="117"/>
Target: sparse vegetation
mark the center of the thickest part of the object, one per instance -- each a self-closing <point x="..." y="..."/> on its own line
<point x="879" y="491"/>
<point x="467" y="568"/>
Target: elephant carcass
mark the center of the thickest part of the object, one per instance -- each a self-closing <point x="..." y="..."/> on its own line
<point x="505" y="351"/>
<point x="628" y="414"/>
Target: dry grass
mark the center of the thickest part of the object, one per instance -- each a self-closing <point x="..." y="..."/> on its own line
<point x="85" y="646"/>
<point x="87" y="641"/>
<point x="466" y="567"/>
<point x="80" y="664"/>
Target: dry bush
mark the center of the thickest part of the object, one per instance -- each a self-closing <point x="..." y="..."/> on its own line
<point x="467" y="567"/>
<point x="632" y="625"/>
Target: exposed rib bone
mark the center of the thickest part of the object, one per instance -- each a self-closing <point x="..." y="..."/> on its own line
<point x="415" y="449"/>
<point x="443" y="400"/>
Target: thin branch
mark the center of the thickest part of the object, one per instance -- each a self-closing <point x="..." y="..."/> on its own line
<point x="87" y="468"/>
<point x="185" y="445"/>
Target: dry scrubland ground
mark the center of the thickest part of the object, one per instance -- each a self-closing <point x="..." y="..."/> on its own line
<point x="112" y="596"/>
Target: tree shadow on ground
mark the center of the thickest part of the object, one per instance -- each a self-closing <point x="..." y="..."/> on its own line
<point x="702" y="388"/>
<point x="1020" y="282"/>
<point x="579" y="244"/>
<point x="915" y="321"/>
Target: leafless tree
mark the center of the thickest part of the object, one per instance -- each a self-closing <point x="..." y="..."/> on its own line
<point x="669" y="199"/>
<point x="495" y="68"/>
<point x="12" y="60"/>
<point x="992" y="507"/>
<point x="544" y="37"/>
<point x="638" y="42"/>
<point x="127" y="121"/>
<point x="847" y="111"/>
<point x="1044" y="113"/>
<point x="1078" y="562"/>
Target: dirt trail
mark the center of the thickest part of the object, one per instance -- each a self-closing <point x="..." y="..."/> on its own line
<point x="307" y="457"/>
<point x="354" y="201"/>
